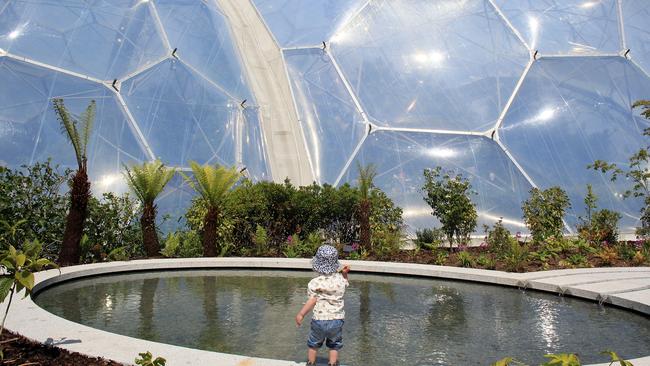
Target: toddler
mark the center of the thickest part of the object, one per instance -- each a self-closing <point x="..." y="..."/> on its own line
<point x="325" y="294"/>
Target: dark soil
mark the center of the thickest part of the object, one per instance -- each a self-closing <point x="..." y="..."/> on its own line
<point x="20" y="351"/>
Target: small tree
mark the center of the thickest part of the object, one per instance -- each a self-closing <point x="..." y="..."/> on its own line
<point x="600" y="225"/>
<point x="366" y="176"/>
<point x="637" y="172"/>
<point x="544" y="211"/>
<point x="147" y="182"/>
<point x="449" y="199"/>
<point x="212" y="183"/>
<point x="78" y="132"/>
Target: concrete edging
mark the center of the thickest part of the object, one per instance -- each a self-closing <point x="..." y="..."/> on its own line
<point x="33" y="322"/>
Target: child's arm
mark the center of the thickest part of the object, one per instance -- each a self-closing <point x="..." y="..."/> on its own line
<point x="305" y="309"/>
<point x="345" y="271"/>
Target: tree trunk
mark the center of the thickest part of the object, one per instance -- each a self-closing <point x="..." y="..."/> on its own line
<point x="149" y="234"/>
<point x="210" y="224"/>
<point x="364" y="224"/>
<point x="74" y="226"/>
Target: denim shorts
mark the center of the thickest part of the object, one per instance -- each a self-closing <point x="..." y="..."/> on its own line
<point x="328" y="331"/>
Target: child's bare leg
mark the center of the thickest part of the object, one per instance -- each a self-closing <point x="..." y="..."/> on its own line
<point x="334" y="356"/>
<point x="311" y="355"/>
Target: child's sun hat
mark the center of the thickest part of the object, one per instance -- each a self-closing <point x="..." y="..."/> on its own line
<point x="326" y="260"/>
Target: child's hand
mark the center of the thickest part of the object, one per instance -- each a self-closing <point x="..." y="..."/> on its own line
<point x="346" y="269"/>
<point x="299" y="319"/>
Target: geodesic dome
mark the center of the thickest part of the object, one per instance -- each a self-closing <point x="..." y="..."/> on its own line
<point x="512" y="94"/>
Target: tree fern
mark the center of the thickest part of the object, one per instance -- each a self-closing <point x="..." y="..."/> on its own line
<point x="366" y="176"/>
<point x="212" y="182"/>
<point x="148" y="180"/>
<point x="69" y="125"/>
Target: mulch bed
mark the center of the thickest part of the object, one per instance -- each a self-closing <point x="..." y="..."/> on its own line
<point x="20" y="351"/>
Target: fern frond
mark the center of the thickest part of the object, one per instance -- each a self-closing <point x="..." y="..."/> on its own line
<point x="212" y="182"/>
<point x="148" y="180"/>
<point x="87" y="120"/>
<point x="367" y="175"/>
<point x="69" y="127"/>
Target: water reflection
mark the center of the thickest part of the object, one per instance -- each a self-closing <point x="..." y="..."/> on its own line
<point x="390" y="320"/>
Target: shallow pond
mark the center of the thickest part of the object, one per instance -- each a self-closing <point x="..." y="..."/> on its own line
<point x="390" y="320"/>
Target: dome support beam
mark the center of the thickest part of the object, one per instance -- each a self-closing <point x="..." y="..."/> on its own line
<point x="263" y="63"/>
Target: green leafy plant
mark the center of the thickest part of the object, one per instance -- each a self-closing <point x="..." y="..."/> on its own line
<point x="260" y="239"/>
<point x="465" y="259"/>
<point x="498" y="238"/>
<point x="386" y="242"/>
<point x="516" y="256"/>
<point x="636" y="171"/>
<point x="599" y="226"/>
<point x="544" y="212"/>
<point x="78" y="132"/>
<point x="183" y="244"/>
<point x="146" y="359"/>
<point x="18" y="267"/>
<point x="448" y="197"/>
<point x="111" y="224"/>
<point x="213" y="185"/>
<point x="608" y="255"/>
<point x="563" y="359"/>
<point x="486" y="262"/>
<point x="33" y="194"/>
<point x="147" y="182"/>
<point x="429" y="238"/>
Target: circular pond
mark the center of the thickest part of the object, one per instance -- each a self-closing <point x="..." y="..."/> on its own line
<point x="390" y="320"/>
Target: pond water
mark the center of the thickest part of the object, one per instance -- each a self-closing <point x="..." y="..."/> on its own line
<point x="390" y="320"/>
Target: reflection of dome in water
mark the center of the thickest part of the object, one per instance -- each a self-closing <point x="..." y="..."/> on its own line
<point x="510" y="94"/>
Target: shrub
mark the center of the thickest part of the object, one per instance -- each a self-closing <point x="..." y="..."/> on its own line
<point x="449" y="199"/>
<point x="429" y="238"/>
<point x="486" y="262"/>
<point x="599" y="226"/>
<point x="112" y="223"/>
<point x="386" y="242"/>
<point x="515" y="257"/>
<point x="465" y="259"/>
<point x="260" y="239"/>
<point x="33" y="194"/>
<point x="182" y="244"/>
<point x="607" y="255"/>
<point x="544" y="211"/>
<point x="498" y="238"/>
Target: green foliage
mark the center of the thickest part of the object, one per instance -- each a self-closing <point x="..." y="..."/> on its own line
<point x="498" y="238"/>
<point x="544" y="211"/>
<point x="449" y="199"/>
<point x="429" y="238"/>
<point x="77" y="130"/>
<point x="260" y="239"/>
<point x="112" y="223"/>
<point x="212" y="183"/>
<point x="33" y="194"/>
<point x="17" y="268"/>
<point x="636" y="171"/>
<point x="599" y="226"/>
<point x="146" y="359"/>
<point x="182" y="244"/>
<point x="465" y="259"/>
<point x="516" y="256"/>
<point x="386" y="242"/>
<point x="486" y="262"/>
<point x="367" y="175"/>
<point x="148" y="180"/>
<point x="563" y="359"/>
<point x="295" y="247"/>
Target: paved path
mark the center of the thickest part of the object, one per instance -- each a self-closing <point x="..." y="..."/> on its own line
<point x="625" y="287"/>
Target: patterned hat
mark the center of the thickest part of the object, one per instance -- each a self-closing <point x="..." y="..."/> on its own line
<point x="326" y="260"/>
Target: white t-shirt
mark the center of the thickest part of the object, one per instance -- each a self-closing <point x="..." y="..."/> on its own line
<point x="329" y="291"/>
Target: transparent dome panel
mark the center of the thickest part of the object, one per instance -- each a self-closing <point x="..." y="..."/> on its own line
<point x="202" y="37"/>
<point x="306" y="23"/>
<point x="331" y="123"/>
<point x="401" y="157"/>
<point x="30" y="131"/>
<point x="636" y="18"/>
<point x="253" y="147"/>
<point x="566" y="27"/>
<point x="173" y="202"/>
<point x="101" y="39"/>
<point x="183" y="116"/>
<point x="555" y="132"/>
<point x="429" y="64"/>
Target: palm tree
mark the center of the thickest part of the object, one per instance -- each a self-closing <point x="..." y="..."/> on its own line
<point x="147" y="181"/>
<point x="213" y="184"/>
<point x="366" y="175"/>
<point x="78" y="132"/>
